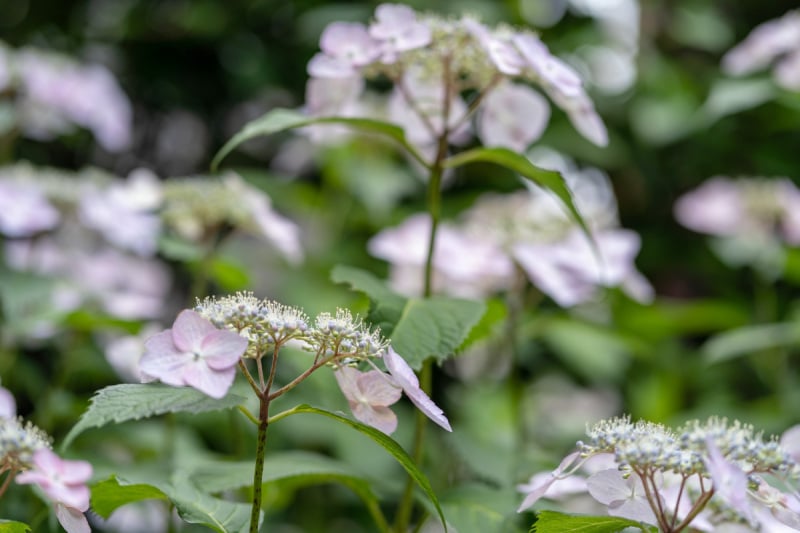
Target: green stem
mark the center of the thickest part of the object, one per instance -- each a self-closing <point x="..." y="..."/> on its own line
<point x="258" y="473"/>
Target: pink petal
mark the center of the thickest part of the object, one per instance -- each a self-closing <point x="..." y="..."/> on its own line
<point x="166" y="367"/>
<point x="347" y="377"/>
<point x="72" y="520"/>
<point x="325" y="66"/>
<point x="513" y="116"/>
<point x="214" y="383"/>
<point x="381" y="418"/>
<point x="189" y="330"/>
<point x="76" y="496"/>
<point x="8" y="406"/>
<point x="377" y="389"/>
<point x="790" y="442"/>
<point x="222" y="349"/>
<point x="405" y="377"/>
<point x="74" y="472"/>
<point x="535" y="492"/>
<point x="400" y="370"/>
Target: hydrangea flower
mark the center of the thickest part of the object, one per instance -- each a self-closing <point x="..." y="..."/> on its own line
<point x="193" y="353"/>
<point x="25" y="211"/>
<point x="513" y="116"/>
<point x="8" y="406"/>
<point x="369" y="395"/>
<point x="64" y="483"/>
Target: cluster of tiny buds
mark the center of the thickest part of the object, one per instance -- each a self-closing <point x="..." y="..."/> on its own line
<point x="267" y="323"/>
<point x="648" y="446"/>
<point x="19" y="440"/>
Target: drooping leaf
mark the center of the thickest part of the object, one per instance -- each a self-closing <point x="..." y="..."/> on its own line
<point x="385" y="442"/>
<point x="548" y="179"/>
<point x="751" y="339"/>
<point x="419" y="328"/>
<point x="279" y="120"/>
<point x="299" y="468"/>
<point x="9" y="526"/>
<point x="495" y="314"/>
<point x="595" y="352"/>
<point x="554" y="522"/>
<point x="114" y="492"/>
<point x="131" y="401"/>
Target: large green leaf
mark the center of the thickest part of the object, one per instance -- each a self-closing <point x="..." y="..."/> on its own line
<point x="480" y="509"/>
<point x="296" y="467"/>
<point x="549" y="179"/>
<point x="279" y="120"/>
<point x="130" y="401"/>
<point x="751" y="339"/>
<point x="8" y="526"/>
<point x="553" y="522"/>
<point x="114" y="492"/>
<point x="419" y="328"/>
<point x="384" y="441"/>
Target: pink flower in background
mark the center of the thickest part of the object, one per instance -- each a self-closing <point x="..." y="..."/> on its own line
<point x="556" y="76"/>
<point x="513" y="116"/>
<point x="369" y="395"/>
<point x="346" y="47"/>
<point x="8" y="406"/>
<point x="730" y="481"/>
<point x="397" y="29"/>
<point x="24" y="210"/>
<point x="193" y="353"/>
<point x="502" y="53"/>
<point x="64" y="483"/>
<point x="404" y="377"/>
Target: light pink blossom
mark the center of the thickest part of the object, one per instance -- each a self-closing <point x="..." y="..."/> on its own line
<point x="730" y="481"/>
<point x="369" y="395"/>
<point x="24" y="211"/>
<point x="512" y="116"/>
<point x="64" y="483"/>
<point x="346" y="47"/>
<point x="404" y="377"/>
<point x="554" y="75"/>
<point x="397" y="29"/>
<point x="624" y="496"/>
<point x="194" y="353"/>
<point x="501" y="52"/>
<point x="8" y="406"/>
<point x="538" y="487"/>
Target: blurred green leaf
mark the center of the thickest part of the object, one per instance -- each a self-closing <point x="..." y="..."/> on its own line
<point x="594" y="352"/>
<point x="130" y="401"/>
<point x="548" y="179"/>
<point x="114" y="492"/>
<point x="178" y="249"/>
<point x="386" y="306"/>
<point x="480" y="509"/>
<point x="666" y="318"/>
<point x="749" y="340"/>
<point x="8" y="526"/>
<point x="279" y="120"/>
<point x="495" y="314"/>
<point x="229" y="276"/>
<point x="554" y="522"/>
<point x="383" y="440"/>
<point x="730" y="96"/>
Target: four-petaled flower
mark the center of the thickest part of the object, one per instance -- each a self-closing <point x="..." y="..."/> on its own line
<point x="64" y="483"/>
<point x="193" y="353"/>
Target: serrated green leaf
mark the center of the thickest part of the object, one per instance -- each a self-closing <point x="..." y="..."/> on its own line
<point x="384" y="441"/>
<point x="131" y="401"/>
<point x="549" y="179"/>
<point x="750" y="339"/>
<point x="114" y="492"/>
<point x="197" y="507"/>
<point x="279" y="120"/>
<point x="554" y="522"/>
<point x="9" y="526"/>
<point x="297" y="467"/>
<point x="419" y="328"/>
<point x="496" y="312"/>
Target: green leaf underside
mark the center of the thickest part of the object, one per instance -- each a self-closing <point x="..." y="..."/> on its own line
<point x="520" y="164"/>
<point x="193" y="505"/>
<point x="554" y="522"/>
<point x="8" y="526"/>
<point x="419" y="328"/>
<point x="131" y="401"/>
<point x="112" y="493"/>
<point x="388" y="444"/>
<point x="280" y="119"/>
<point x="749" y="340"/>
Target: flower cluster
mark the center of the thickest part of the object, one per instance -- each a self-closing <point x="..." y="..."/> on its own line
<point x="27" y="457"/>
<point x="773" y="41"/>
<point x="432" y="61"/>
<point x="700" y="475"/>
<point x="528" y="229"/>
<point x="52" y="94"/>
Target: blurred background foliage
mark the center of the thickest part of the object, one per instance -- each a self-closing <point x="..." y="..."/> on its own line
<point x="719" y="338"/>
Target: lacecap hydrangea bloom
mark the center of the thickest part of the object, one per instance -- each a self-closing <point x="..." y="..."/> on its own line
<point x="433" y="61"/>
<point x="702" y="476"/>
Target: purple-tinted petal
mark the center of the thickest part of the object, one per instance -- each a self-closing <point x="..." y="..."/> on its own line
<point x="325" y="66"/>
<point x="730" y="481"/>
<point x="405" y="377"/>
<point x="536" y="489"/>
<point x="165" y="366"/>
<point x="790" y="442"/>
<point x="71" y="519"/>
<point x="8" y="406"/>
<point x="189" y="330"/>
<point x="346" y="378"/>
<point x="214" y="383"/>
<point x="512" y="116"/>
<point x="380" y="417"/>
<point x="222" y="349"/>
<point x="376" y="388"/>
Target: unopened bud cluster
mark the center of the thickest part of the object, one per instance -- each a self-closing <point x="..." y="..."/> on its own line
<point x="267" y="323"/>
<point x="19" y="440"/>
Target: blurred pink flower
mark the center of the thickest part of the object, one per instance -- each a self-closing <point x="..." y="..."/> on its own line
<point x="569" y="271"/>
<point x="346" y="47"/>
<point x="730" y="481"/>
<point x="623" y="495"/>
<point x="24" y="211"/>
<point x="8" y="406"/>
<point x="193" y="353"/>
<point x="64" y="483"/>
<point x="539" y="485"/>
<point x="501" y="52"/>
<point x="397" y="29"/>
<point x="404" y="376"/>
<point x="512" y="116"/>
<point x="369" y="395"/>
